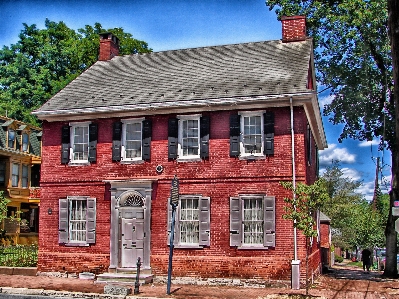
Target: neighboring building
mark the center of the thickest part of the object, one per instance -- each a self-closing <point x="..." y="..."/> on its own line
<point x="20" y="159"/>
<point x="327" y="256"/>
<point x="219" y="118"/>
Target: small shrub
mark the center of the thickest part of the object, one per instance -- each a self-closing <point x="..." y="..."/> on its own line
<point x="339" y="259"/>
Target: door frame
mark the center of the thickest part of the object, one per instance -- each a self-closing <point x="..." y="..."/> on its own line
<point x="120" y="190"/>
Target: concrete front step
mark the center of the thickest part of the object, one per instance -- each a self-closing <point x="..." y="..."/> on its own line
<point x="124" y="278"/>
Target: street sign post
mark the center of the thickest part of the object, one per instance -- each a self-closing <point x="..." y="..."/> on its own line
<point x="174" y="201"/>
<point x="397" y="225"/>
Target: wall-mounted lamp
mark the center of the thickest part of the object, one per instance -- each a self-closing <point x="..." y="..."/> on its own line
<point x="49" y="211"/>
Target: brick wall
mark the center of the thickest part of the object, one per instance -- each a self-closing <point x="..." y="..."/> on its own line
<point x="219" y="177"/>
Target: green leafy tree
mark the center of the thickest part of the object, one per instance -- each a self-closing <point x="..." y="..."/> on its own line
<point x="44" y="61"/>
<point x="357" y="60"/>
<point x="340" y="205"/>
<point x="301" y="209"/>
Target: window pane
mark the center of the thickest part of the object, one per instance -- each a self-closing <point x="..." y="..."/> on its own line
<point x="25" y="142"/>
<point x="189" y="220"/>
<point x="190" y="137"/>
<point x="252" y="137"/>
<point x="81" y="143"/>
<point x="15" y="175"/>
<point x="132" y="140"/>
<point x="11" y="138"/>
<point x="253" y="220"/>
<point x="77" y="221"/>
<point x="25" y="176"/>
<point x="2" y="173"/>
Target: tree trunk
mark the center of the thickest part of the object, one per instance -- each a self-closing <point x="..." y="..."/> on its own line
<point x="307" y="266"/>
<point x="390" y="233"/>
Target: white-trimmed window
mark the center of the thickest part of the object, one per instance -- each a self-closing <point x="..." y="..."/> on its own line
<point x="77" y="220"/>
<point x="79" y="143"/>
<point x="252" y="221"/>
<point x="132" y="139"/>
<point x="251" y="134"/>
<point x="192" y="221"/>
<point x="189" y="137"/>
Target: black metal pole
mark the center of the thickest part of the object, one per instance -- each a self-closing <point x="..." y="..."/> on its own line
<point x="172" y="236"/>
<point x="137" y="283"/>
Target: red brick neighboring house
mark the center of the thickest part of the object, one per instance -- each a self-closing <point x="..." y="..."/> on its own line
<point x="219" y="118"/>
<point x="325" y="241"/>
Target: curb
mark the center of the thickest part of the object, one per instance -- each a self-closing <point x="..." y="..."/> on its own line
<point x="41" y="293"/>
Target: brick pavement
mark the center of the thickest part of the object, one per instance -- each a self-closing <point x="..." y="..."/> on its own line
<point x="342" y="282"/>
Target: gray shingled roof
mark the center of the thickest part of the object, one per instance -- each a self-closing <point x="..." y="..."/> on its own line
<point x="324" y="218"/>
<point x="249" y="69"/>
<point x="34" y="136"/>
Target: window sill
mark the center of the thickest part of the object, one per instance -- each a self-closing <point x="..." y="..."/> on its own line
<point x="252" y="158"/>
<point x="248" y="247"/>
<point x="196" y="159"/>
<point x="131" y="161"/>
<point x="75" y="244"/>
<point x="78" y="163"/>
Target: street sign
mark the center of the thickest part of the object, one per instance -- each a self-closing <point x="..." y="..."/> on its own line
<point x="395" y="211"/>
<point x="397" y="225"/>
<point x="396" y="203"/>
<point x="174" y="192"/>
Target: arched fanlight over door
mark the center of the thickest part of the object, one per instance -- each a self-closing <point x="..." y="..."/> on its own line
<point x="132" y="199"/>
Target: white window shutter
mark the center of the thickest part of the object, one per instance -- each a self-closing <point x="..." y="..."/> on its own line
<point x="269" y="203"/>
<point x="63" y="221"/>
<point x="91" y="221"/>
<point x="204" y="221"/>
<point x="235" y="221"/>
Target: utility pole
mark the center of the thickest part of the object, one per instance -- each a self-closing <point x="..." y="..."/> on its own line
<point x="376" y="186"/>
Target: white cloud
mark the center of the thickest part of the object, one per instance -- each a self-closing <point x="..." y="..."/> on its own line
<point x="366" y="190"/>
<point x="325" y="100"/>
<point x="369" y="143"/>
<point x="334" y="153"/>
<point x="351" y="173"/>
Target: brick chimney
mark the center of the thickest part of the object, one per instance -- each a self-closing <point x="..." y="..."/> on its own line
<point x="109" y="46"/>
<point x="294" y="28"/>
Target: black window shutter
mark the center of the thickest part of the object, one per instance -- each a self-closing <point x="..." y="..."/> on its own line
<point x="173" y="126"/>
<point x="204" y="131"/>
<point x="116" y="141"/>
<point x="65" y="144"/>
<point x="93" y="136"/>
<point x="234" y="135"/>
<point x="147" y="130"/>
<point x="268" y="128"/>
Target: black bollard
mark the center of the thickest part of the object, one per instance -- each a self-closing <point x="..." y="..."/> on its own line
<point x="137" y="283"/>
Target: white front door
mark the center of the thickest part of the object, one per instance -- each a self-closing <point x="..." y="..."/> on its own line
<point x="131" y="236"/>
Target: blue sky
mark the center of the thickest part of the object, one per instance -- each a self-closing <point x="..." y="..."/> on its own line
<point x="179" y="24"/>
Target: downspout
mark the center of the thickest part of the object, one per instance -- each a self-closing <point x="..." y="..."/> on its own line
<point x="295" y="263"/>
<point x="293" y="172"/>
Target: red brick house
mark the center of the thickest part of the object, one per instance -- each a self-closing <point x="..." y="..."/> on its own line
<point x="219" y="118"/>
